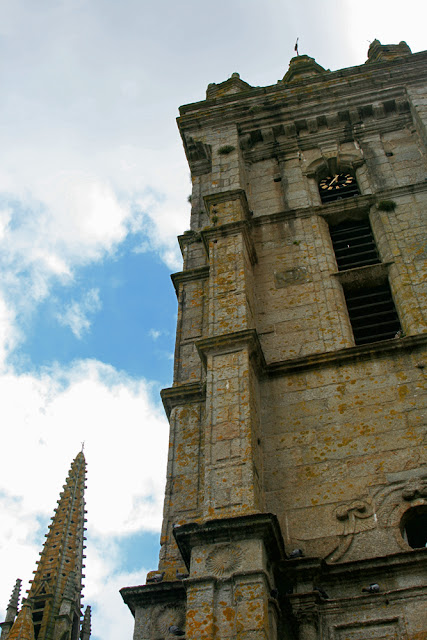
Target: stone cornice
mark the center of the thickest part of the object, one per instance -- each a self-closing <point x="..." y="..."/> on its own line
<point x="213" y="199"/>
<point x="340" y="84"/>
<point x="189" y="275"/>
<point x="182" y="394"/>
<point x="350" y="354"/>
<point x="229" y="342"/>
<point x="260" y="525"/>
<point x="230" y="229"/>
<point x="348" y="206"/>
<point x="340" y="132"/>
<point x="146" y="594"/>
<point x="188" y="237"/>
<point x="306" y="573"/>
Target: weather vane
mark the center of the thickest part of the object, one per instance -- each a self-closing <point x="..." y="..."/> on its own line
<point x="296" y="46"/>
<point x="83" y="445"/>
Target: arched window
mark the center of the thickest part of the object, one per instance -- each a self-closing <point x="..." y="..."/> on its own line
<point x="338" y="185"/>
<point x="414" y="527"/>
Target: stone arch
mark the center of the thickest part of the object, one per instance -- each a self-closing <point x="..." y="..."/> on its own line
<point x="333" y="163"/>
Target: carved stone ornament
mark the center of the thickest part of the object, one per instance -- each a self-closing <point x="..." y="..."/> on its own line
<point x="164" y="617"/>
<point x="355" y="516"/>
<point x="223" y="560"/>
<point x="384" y="508"/>
<point x="415" y="490"/>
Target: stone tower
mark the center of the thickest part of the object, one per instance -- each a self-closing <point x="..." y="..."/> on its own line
<point x="53" y="607"/>
<point x="296" y="496"/>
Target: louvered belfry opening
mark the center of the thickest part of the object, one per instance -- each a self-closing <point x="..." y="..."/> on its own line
<point x="354" y="245"/>
<point x="371" y="308"/>
<point x="372" y="314"/>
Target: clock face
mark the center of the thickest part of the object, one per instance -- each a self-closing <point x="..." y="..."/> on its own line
<point x="337" y="182"/>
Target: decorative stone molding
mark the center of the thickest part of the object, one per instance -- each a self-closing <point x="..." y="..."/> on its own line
<point x="199" y="155"/>
<point x="415" y="489"/>
<point x="189" y="275"/>
<point x="224" y="560"/>
<point x="232" y="342"/>
<point x="234" y="84"/>
<point x="192" y="393"/>
<point x="230" y="229"/>
<point x="383" y="509"/>
<point x="356" y="516"/>
<point x="264" y="526"/>
<point x="333" y="163"/>
<point x="385" y="52"/>
<point x="165" y="616"/>
<point x="301" y="68"/>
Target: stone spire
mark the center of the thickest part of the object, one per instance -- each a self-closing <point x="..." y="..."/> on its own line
<point x="86" y="626"/>
<point x="12" y="610"/>
<point x="55" y="591"/>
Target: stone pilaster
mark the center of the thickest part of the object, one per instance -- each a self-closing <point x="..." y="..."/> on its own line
<point x="233" y="564"/>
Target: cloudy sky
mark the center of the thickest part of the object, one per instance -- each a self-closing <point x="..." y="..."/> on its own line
<point x="93" y="191"/>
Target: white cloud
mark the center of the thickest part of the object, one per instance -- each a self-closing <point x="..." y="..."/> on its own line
<point x="156" y="333"/>
<point x="9" y="334"/>
<point x="76" y="314"/>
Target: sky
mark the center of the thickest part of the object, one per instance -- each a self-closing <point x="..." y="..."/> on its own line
<point x="94" y="189"/>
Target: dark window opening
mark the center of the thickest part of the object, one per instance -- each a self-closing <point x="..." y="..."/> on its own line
<point x="39" y="604"/>
<point x="370" y="305"/>
<point x="414" y="527"/>
<point x="354" y="245"/>
<point x="338" y="186"/>
<point x="372" y="314"/>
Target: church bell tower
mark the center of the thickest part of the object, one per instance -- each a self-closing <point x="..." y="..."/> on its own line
<point x="296" y="495"/>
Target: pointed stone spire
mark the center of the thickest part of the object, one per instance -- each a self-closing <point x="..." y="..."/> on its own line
<point x="11" y="611"/>
<point x="23" y="628"/>
<point x="55" y="591"/>
<point x="86" y="626"/>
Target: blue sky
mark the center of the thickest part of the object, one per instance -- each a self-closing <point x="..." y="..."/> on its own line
<point x="129" y="308"/>
<point x="93" y="192"/>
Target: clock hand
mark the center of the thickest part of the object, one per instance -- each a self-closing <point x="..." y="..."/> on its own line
<point x="335" y="179"/>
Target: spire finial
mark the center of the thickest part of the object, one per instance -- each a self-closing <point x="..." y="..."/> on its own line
<point x="296" y="47"/>
<point x="14" y="598"/>
<point x="86" y="624"/>
<point x="12" y="609"/>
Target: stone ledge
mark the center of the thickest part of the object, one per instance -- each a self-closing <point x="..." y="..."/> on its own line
<point x="200" y="273"/>
<point x="147" y="594"/>
<point x="230" y="342"/>
<point x="366" y="276"/>
<point x="213" y="199"/>
<point x="332" y="358"/>
<point x="192" y="393"/>
<point x="260" y="525"/>
<point x="230" y="229"/>
<point x="310" y="570"/>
